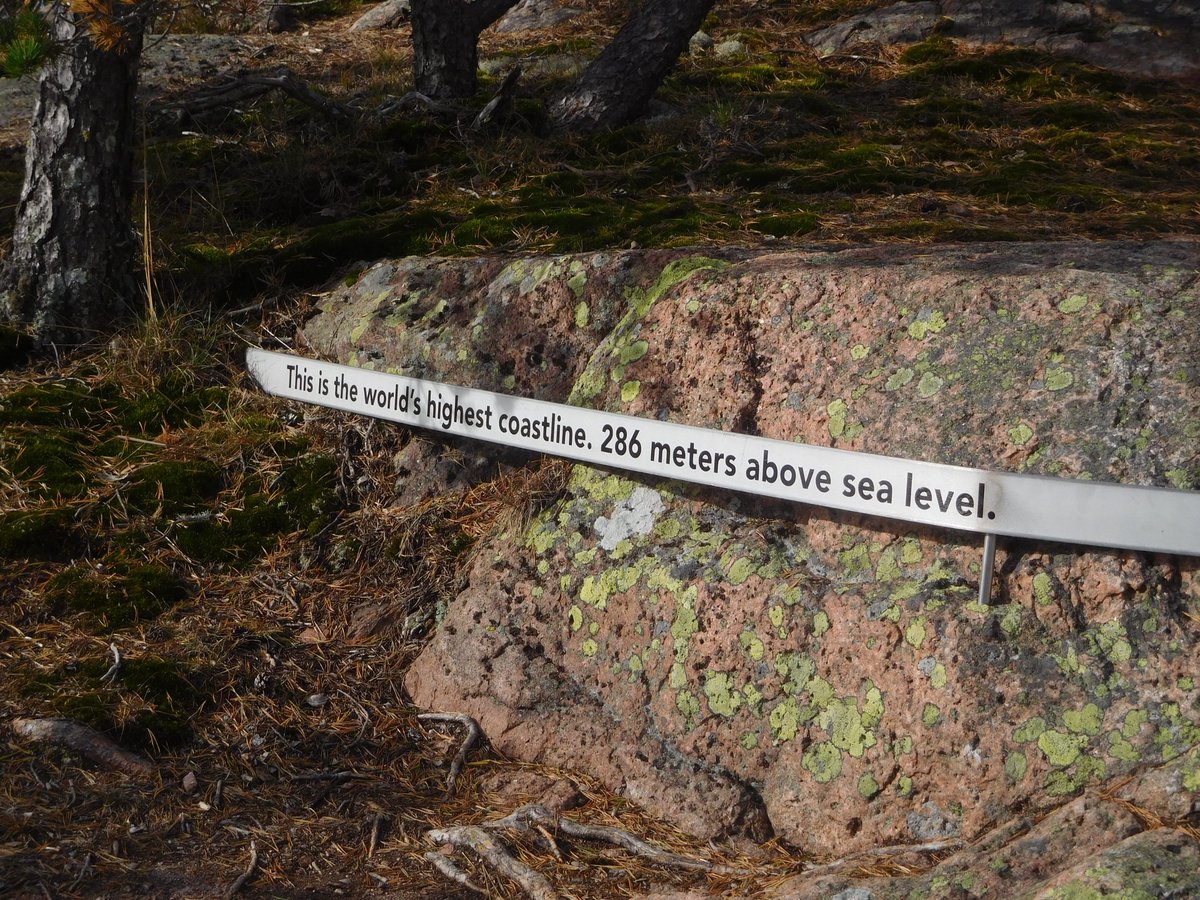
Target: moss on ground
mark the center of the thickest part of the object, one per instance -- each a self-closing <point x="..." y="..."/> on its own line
<point x="303" y="500"/>
<point x="172" y="487"/>
<point x="117" y="594"/>
<point x="772" y="143"/>
<point x="45" y="534"/>
<point x="148" y="705"/>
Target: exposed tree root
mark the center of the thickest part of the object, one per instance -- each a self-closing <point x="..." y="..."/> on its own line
<point x="241" y="88"/>
<point x="501" y="103"/>
<point x="446" y="866"/>
<point x="534" y="815"/>
<point x="84" y="740"/>
<point x="247" y="875"/>
<point x="534" y="884"/>
<point x="469" y="741"/>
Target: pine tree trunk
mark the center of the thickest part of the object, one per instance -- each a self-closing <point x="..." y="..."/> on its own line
<point x="71" y="273"/>
<point x="446" y="43"/>
<point x="619" y="84"/>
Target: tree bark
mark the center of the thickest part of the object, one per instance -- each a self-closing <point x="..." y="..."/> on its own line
<point x="446" y="44"/>
<point x="619" y="84"/>
<point x="71" y="273"/>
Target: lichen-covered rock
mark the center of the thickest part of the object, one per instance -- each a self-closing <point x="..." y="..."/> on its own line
<point x="739" y="665"/>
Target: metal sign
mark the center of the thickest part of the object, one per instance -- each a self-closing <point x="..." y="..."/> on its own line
<point x="1160" y="520"/>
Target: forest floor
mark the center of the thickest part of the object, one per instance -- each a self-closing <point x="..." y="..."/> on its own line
<point x="242" y="557"/>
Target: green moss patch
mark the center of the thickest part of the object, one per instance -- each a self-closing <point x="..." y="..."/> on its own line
<point x="173" y="487"/>
<point x="119" y="594"/>
<point x="149" y="705"/>
<point x="48" y="464"/>
<point x="302" y="500"/>
<point x="45" y="534"/>
<point x="65" y="403"/>
<point x="174" y="402"/>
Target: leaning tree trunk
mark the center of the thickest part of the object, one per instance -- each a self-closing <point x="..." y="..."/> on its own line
<point x="619" y="84"/>
<point x="71" y="273"/>
<point x="446" y="43"/>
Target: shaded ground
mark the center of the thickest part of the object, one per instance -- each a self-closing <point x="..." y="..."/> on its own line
<point x="236" y="551"/>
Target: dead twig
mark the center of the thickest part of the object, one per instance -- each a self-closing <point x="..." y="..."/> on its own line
<point x="115" y="668"/>
<point x="247" y="875"/>
<point x="534" y="815"/>
<point x="469" y="740"/>
<point x="373" y="842"/>
<point x="84" y="740"/>
<point x="330" y="776"/>
<point x="535" y="885"/>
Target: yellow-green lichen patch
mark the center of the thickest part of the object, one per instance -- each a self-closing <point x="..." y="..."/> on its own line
<point x="1133" y="722"/>
<point x="929" y="385"/>
<point x="752" y="644"/>
<point x="1086" y="769"/>
<point x="872" y="709"/>
<point x="856" y="562"/>
<point x="910" y="554"/>
<point x="837" y="411"/>
<point x="927" y="323"/>
<point x="888" y="569"/>
<point x="1112" y="641"/>
<point x="1061" y="748"/>
<point x="931" y="715"/>
<point x="843" y="722"/>
<point x="1121" y="749"/>
<point x="1011" y="619"/>
<point x="1015" y="765"/>
<point x="915" y="633"/>
<point x="824" y="762"/>
<point x="820" y="623"/>
<point x="1086" y="721"/>
<point x="786" y="718"/>
<point x="904" y="786"/>
<point x="1043" y="589"/>
<point x="667" y="528"/>
<point x="741" y="569"/>
<point x="1029" y="730"/>
<point x="723" y="697"/>
<point x="1073" y="304"/>
<point x="1020" y="434"/>
<point x="1058" y="379"/>
<point x="629" y="391"/>
<point x="899" y="379"/>
<point x="590" y="648"/>
<point x="937" y="678"/>
<point x="575" y="618"/>
<point x="582" y="314"/>
<point x="859" y="352"/>
<point x="688" y="705"/>
<point x="749" y="740"/>
<point x="868" y="787"/>
<point x="685" y="624"/>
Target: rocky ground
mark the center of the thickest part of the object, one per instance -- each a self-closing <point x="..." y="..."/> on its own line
<point x="250" y="594"/>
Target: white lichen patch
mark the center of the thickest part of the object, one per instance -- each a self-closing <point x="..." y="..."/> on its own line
<point x="634" y="516"/>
